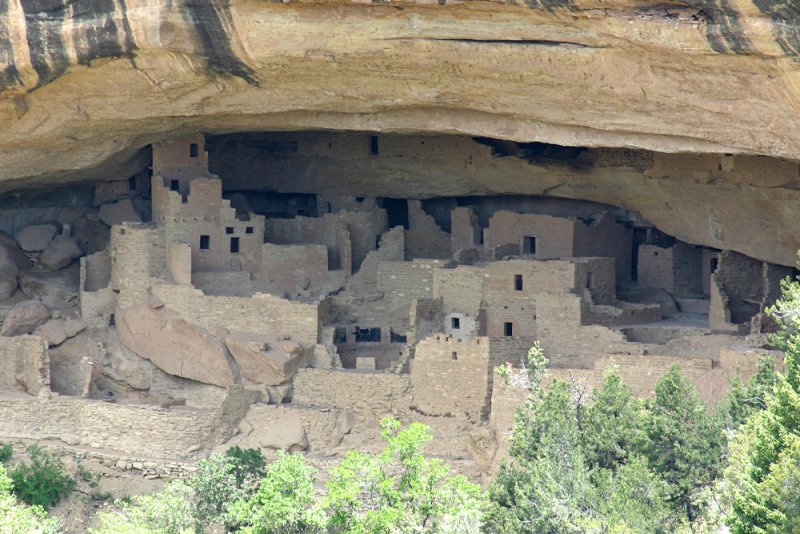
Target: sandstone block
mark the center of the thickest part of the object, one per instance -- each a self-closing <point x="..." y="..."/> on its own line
<point x="286" y="433"/>
<point x="72" y="327"/>
<point x="9" y="244"/>
<point x="8" y="274"/>
<point x="36" y="237"/>
<point x="52" y="288"/>
<point x="265" y="359"/>
<point x="91" y="234"/>
<point x="345" y="422"/>
<point x="59" y="253"/>
<point x="119" y="212"/>
<point x="24" y="317"/>
<point x="52" y="331"/>
<point x="179" y="348"/>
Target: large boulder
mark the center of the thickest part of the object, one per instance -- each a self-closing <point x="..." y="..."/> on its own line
<point x="179" y="348"/>
<point x="54" y="289"/>
<point x="36" y="237"/>
<point x="119" y="212"/>
<point x="24" y="317"/>
<point x="60" y="253"/>
<point x="11" y="248"/>
<point x="8" y="274"/>
<point x="52" y="331"/>
<point x="264" y="359"/>
<point x="91" y="234"/>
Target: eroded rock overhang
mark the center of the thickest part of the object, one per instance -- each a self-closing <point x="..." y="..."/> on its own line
<point x="85" y="87"/>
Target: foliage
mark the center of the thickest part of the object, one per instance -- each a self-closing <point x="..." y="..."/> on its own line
<point x="284" y="501"/>
<point x="615" y="464"/>
<point x="16" y="518"/>
<point x="169" y="511"/>
<point x="400" y="490"/>
<point x="6" y="451"/>
<point x="742" y="402"/>
<point x="684" y="442"/>
<point x="41" y="482"/>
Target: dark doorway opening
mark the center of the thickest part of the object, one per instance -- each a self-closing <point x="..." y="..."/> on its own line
<point x="396" y="211"/>
<point x="529" y="244"/>
<point x="234" y="245"/>
<point x="508" y="329"/>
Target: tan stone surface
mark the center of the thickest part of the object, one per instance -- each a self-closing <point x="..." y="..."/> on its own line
<point x="591" y="73"/>
<point x="162" y="336"/>
<point x="265" y="359"/>
<point x="24" y="317"/>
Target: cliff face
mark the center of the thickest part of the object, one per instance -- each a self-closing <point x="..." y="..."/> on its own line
<point x="86" y="84"/>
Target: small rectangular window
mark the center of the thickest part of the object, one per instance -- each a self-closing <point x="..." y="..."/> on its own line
<point x="194" y="150"/>
<point x="228" y="229"/>
<point x="174" y="185"/>
<point x="508" y="329"/>
<point x="234" y="245"/>
<point x="589" y="281"/>
<point x="373" y="145"/>
<point x="205" y="242"/>
<point x="455" y="323"/>
<point x="529" y="244"/>
<point x="518" y="282"/>
<point x="454" y="356"/>
<point x="248" y="230"/>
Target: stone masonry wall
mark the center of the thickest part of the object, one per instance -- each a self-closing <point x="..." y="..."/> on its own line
<point x="554" y="235"/>
<point x="26" y="365"/>
<point x="137" y="254"/>
<point x="407" y="279"/>
<point x="261" y="313"/>
<point x="424" y="238"/>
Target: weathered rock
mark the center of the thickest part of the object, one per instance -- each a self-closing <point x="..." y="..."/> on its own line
<point x="73" y="327"/>
<point x="482" y="445"/>
<point x="286" y="433"/>
<point x="91" y="234"/>
<point x="52" y="288"/>
<point x="8" y="274"/>
<point x="119" y="212"/>
<point x="162" y="336"/>
<point x="11" y="248"/>
<point x="279" y="394"/>
<point x="52" y="331"/>
<point x="264" y="359"/>
<point x="71" y="365"/>
<point x="122" y="365"/>
<point x="59" y="253"/>
<point x="36" y="237"/>
<point x="345" y="422"/>
<point x="24" y="317"/>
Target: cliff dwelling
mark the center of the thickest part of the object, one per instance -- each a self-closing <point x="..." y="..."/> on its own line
<point x="286" y="290"/>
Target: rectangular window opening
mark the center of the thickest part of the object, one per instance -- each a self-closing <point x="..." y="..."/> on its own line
<point x="205" y="242"/>
<point x="194" y="150"/>
<point x="529" y="244"/>
<point x="454" y="356"/>
<point x="373" y="145"/>
<point x="228" y="229"/>
<point x="589" y="281"/>
<point x="508" y="329"/>
<point x="234" y="245"/>
<point x="455" y="323"/>
<point x="248" y="230"/>
<point x="518" y="282"/>
<point x="174" y="185"/>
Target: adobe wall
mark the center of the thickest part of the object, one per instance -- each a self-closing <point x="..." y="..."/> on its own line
<point x="293" y="268"/>
<point x="364" y="227"/>
<point x="173" y="159"/>
<point x="454" y="377"/>
<point x="708" y="256"/>
<point x="370" y="396"/>
<point x="392" y="248"/>
<point x="655" y="267"/>
<point x="137" y="253"/>
<point x="465" y="232"/>
<point x="179" y="263"/>
<point x="407" y="279"/>
<point x="225" y="284"/>
<point x="425" y="317"/>
<point x="26" y="365"/>
<point x="687" y="269"/>
<point x="260" y="314"/>
<point x="138" y="430"/>
<point x="424" y="238"/>
<point x="598" y="277"/>
<point x="554" y="235"/>
<point x="604" y="237"/>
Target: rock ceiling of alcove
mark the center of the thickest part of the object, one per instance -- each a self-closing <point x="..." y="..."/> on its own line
<point x="84" y="85"/>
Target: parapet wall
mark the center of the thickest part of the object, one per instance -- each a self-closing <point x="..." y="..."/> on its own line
<point x="260" y="314"/>
<point x="26" y="365"/>
<point x="369" y="395"/>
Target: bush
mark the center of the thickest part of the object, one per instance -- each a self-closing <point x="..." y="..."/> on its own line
<point x="6" y="451"/>
<point x="43" y="482"/>
<point x="19" y="519"/>
<point x="168" y="511"/>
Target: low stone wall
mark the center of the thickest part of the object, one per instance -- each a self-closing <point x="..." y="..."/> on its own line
<point x="26" y="365"/>
<point x="369" y="395"/>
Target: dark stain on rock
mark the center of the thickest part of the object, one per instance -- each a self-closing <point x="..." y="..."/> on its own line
<point x="44" y="20"/>
<point x="210" y="19"/>
<point x="548" y="4"/>
<point x="723" y="30"/>
<point x="94" y="33"/>
<point x="9" y="75"/>
<point x="785" y="17"/>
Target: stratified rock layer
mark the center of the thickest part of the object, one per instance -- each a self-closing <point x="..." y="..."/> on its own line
<point x="84" y="88"/>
